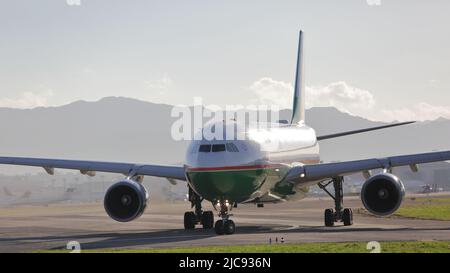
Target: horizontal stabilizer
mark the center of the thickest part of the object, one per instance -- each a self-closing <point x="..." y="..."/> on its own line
<point x="362" y="130"/>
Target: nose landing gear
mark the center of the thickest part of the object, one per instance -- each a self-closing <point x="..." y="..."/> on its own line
<point x="225" y="225"/>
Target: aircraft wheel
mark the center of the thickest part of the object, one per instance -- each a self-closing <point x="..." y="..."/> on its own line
<point x="219" y="227"/>
<point x="329" y="217"/>
<point x="229" y="227"/>
<point x="189" y="220"/>
<point x="347" y="217"/>
<point x="207" y="219"/>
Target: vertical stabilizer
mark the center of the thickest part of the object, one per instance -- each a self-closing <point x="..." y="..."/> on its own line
<point x="298" y="109"/>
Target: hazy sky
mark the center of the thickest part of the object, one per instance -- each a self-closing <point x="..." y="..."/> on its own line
<point x="388" y="61"/>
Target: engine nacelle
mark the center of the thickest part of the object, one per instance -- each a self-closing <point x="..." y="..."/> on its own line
<point x="382" y="194"/>
<point x="125" y="200"/>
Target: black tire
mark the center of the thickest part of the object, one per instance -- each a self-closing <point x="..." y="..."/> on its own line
<point x="229" y="227"/>
<point x="208" y="219"/>
<point x="329" y="217"/>
<point x="219" y="227"/>
<point x="347" y="217"/>
<point x="189" y="220"/>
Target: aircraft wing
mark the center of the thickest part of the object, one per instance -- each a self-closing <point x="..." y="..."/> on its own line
<point x="330" y="170"/>
<point x="89" y="167"/>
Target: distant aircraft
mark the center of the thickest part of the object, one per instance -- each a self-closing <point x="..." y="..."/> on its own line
<point x="427" y="188"/>
<point x="7" y="191"/>
<point x="27" y="197"/>
<point x="26" y="194"/>
<point x="229" y="172"/>
<point x="173" y="196"/>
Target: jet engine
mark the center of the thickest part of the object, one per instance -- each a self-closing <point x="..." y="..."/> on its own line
<point x="125" y="200"/>
<point x="382" y="194"/>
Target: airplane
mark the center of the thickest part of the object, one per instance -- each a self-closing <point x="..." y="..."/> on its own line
<point x="7" y="192"/>
<point x="173" y="196"/>
<point x="29" y="197"/>
<point x="230" y="172"/>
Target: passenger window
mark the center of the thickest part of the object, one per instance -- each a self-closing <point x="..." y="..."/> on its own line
<point x="204" y="148"/>
<point x="232" y="148"/>
<point x="218" y="148"/>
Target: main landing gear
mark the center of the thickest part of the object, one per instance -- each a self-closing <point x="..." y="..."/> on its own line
<point x="225" y="225"/>
<point x="192" y="218"/>
<point x="339" y="214"/>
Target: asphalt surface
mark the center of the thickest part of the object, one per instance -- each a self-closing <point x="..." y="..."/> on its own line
<point x="32" y="228"/>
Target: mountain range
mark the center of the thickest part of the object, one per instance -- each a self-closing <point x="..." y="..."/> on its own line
<point x="129" y="130"/>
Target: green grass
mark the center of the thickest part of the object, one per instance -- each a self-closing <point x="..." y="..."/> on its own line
<point x="350" y="247"/>
<point x="426" y="208"/>
<point x="431" y="200"/>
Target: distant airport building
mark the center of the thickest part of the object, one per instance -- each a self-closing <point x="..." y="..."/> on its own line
<point x="441" y="177"/>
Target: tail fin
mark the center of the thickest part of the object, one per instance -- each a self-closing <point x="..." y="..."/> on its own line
<point x="298" y="109"/>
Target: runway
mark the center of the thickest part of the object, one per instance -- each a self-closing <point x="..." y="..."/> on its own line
<point x="32" y="228"/>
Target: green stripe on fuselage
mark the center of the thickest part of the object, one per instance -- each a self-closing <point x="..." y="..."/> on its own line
<point x="232" y="185"/>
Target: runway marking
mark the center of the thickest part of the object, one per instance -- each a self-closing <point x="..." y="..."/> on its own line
<point x="120" y="239"/>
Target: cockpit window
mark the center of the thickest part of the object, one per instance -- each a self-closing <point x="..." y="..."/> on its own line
<point x="229" y="147"/>
<point x="205" y="148"/>
<point x="232" y="148"/>
<point x="218" y="148"/>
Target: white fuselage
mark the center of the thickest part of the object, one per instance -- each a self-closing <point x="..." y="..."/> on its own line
<point x="255" y="163"/>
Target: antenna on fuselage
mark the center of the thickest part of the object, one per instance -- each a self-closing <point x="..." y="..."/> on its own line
<point x="298" y="108"/>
